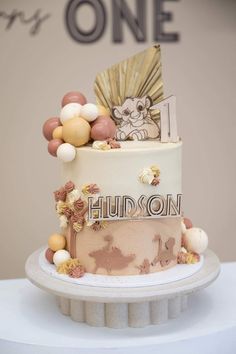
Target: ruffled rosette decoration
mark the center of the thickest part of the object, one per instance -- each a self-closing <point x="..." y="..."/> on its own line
<point x="150" y="175"/>
<point x="72" y="207"/>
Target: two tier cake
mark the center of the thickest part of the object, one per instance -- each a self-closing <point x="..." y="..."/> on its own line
<point x="119" y="206"/>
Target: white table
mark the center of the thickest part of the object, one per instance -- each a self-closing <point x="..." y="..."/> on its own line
<point x="31" y="324"/>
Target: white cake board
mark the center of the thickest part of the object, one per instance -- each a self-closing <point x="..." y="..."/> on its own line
<point x="120" y="307"/>
<point x="179" y="272"/>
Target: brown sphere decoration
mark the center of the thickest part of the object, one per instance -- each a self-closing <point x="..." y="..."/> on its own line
<point x="103" y="128"/>
<point x="188" y="223"/>
<point x="73" y="97"/>
<point x="49" y="255"/>
<point x="76" y="131"/>
<point x="53" y="146"/>
<point x="49" y="127"/>
<point x="56" y="242"/>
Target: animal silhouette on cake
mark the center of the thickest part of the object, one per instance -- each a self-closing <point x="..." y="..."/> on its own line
<point x="166" y="255"/>
<point x="144" y="268"/>
<point x="134" y="120"/>
<point x="110" y="257"/>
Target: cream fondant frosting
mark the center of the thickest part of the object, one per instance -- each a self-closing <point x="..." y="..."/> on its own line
<point x="127" y="247"/>
<point x="116" y="171"/>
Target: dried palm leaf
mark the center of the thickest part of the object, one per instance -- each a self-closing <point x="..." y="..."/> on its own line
<point x="137" y="76"/>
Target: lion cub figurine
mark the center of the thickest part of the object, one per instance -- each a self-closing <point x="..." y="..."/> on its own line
<point x="134" y="120"/>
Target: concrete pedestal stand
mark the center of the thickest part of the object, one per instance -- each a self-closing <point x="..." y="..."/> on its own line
<point x="123" y="307"/>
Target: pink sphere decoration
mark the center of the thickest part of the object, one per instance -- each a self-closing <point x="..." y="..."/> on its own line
<point x="53" y="146"/>
<point x="103" y="128"/>
<point x="49" y="126"/>
<point x="49" y="255"/>
<point x="188" y="223"/>
<point x="73" y="97"/>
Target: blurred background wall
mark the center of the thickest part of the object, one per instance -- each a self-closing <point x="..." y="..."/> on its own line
<point x="36" y="69"/>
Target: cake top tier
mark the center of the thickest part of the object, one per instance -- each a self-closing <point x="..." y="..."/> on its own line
<point x="130" y="107"/>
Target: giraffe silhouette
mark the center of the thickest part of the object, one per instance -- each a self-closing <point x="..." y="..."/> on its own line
<point x="166" y="255"/>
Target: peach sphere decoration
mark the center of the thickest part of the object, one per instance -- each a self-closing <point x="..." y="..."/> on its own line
<point x="49" y="126"/>
<point x="103" y="128"/>
<point x="76" y="131"/>
<point x="73" y="97"/>
<point x="57" y="133"/>
<point x="56" y="242"/>
<point x="53" y="145"/>
<point x="103" y="111"/>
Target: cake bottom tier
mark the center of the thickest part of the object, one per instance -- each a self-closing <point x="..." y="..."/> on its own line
<point x="127" y="247"/>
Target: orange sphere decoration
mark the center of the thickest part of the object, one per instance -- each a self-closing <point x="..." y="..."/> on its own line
<point x="49" y="127"/>
<point x="73" y="97"/>
<point x="56" y="242"/>
<point x="103" y="111"/>
<point x="76" y="131"/>
<point x="57" y="133"/>
<point x="103" y="128"/>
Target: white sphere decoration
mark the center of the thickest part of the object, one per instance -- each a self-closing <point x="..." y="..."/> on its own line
<point x="69" y="111"/>
<point x="60" y="257"/>
<point x="196" y="240"/>
<point x="66" y="152"/>
<point x="89" y="112"/>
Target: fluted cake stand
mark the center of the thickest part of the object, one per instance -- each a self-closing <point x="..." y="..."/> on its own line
<point x="121" y="307"/>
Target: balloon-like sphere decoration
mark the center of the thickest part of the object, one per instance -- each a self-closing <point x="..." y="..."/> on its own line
<point x="76" y="131"/>
<point x="73" y="97"/>
<point x="53" y="145"/>
<point x="196" y="240"/>
<point x="57" y="133"/>
<point x="103" y="111"/>
<point x="66" y="152"/>
<point x="49" y="255"/>
<point x="56" y="242"/>
<point x="49" y="127"/>
<point x="89" y="112"/>
<point x="60" y="257"/>
<point x="79" y="122"/>
<point x="188" y="223"/>
<point x="103" y="128"/>
<point x="69" y="111"/>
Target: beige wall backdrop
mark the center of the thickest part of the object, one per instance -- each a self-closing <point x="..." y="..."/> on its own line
<point x="35" y="72"/>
